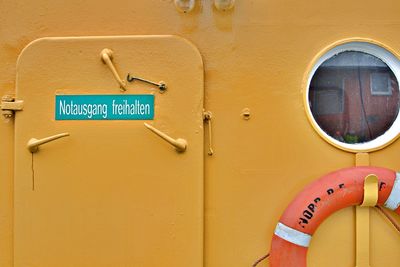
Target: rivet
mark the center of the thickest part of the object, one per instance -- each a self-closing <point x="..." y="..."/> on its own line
<point x="184" y="6"/>
<point x="224" y="5"/>
<point x="7" y="114"/>
<point x="246" y="113"/>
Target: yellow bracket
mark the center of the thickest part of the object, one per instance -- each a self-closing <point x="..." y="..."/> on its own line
<point x="371" y="190"/>
<point x="363" y="221"/>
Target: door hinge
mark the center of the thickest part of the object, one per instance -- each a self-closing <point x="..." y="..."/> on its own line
<point x="9" y="105"/>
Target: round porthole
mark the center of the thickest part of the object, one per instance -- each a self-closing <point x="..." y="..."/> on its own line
<point x="352" y="97"/>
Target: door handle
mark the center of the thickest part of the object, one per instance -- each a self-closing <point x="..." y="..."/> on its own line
<point x="33" y="143"/>
<point x="107" y="56"/>
<point x="179" y="143"/>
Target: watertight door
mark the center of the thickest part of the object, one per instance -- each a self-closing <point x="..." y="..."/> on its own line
<point x="112" y="193"/>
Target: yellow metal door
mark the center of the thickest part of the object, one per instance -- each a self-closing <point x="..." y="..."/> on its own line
<point x="112" y="193"/>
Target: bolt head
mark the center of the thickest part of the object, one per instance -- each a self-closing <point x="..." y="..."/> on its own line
<point x="246" y="114"/>
<point x="162" y="86"/>
<point x="224" y="5"/>
<point x="185" y="6"/>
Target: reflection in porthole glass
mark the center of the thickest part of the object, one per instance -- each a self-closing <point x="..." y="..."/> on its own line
<point x="354" y="97"/>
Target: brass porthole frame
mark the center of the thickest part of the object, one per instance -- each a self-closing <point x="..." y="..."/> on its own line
<point x="391" y="134"/>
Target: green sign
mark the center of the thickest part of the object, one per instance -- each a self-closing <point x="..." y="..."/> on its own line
<point x="104" y="107"/>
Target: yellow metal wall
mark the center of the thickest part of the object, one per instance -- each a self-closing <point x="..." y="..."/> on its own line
<point x="255" y="57"/>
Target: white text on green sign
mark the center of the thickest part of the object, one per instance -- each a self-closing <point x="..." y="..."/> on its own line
<point x="104" y="107"/>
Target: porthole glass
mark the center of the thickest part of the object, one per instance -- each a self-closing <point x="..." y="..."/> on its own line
<point x="353" y="96"/>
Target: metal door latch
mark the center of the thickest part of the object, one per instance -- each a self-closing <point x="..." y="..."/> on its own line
<point x="9" y="105"/>
<point x="161" y="85"/>
<point x="207" y="116"/>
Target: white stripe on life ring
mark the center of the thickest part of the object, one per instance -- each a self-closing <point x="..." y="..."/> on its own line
<point x="292" y="235"/>
<point x="393" y="202"/>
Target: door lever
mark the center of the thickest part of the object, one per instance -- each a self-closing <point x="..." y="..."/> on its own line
<point x="33" y="143"/>
<point x="179" y="143"/>
<point x="107" y="56"/>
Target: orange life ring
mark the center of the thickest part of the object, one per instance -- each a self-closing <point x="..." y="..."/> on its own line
<point x="332" y="192"/>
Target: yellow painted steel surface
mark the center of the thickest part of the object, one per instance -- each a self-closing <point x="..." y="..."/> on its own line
<point x="256" y="56"/>
<point x="96" y="201"/>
